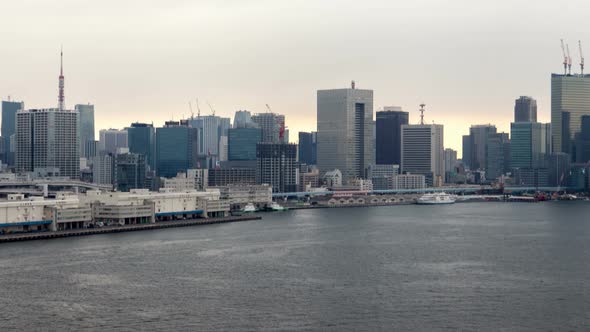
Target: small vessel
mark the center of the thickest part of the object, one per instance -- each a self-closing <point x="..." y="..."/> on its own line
<point x="249" y="208"/>
<point x="436" y="198"/>
<point x="274" y="206"/>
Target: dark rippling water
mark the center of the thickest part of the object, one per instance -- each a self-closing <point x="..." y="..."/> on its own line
<point x="475" y="266"/>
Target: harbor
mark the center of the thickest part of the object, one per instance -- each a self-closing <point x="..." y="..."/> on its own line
<point x="15" y="237"/>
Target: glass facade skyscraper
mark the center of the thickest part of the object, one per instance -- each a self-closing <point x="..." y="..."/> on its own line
<point x="86" y="125"/>
<point x="141" y="139"/>
<point x="9" y="109"/>
<point x="570" y="100"/>
<point x="388" y="141"/>
<point x="308" y="144"/>
<point x="525" y="109"/>
<point x="242" y="143"/>
<point x="176" y="149"/>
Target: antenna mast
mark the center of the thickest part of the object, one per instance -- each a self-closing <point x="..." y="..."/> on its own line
<point x="422" y="110"/>
<point x="61" y="97"/>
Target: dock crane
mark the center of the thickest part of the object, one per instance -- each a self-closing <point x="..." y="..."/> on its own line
<point x="569" y="60"/>
<point x="581" y="58"/>
<point x="564" y="58"/>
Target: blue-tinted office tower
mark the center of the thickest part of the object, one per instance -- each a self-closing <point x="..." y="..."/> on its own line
<point x="141" y="139"/>
<point x="86" y="125"/>
<point x="242" y="143"/>
<point x="308" y="143"/>
<point x="176" y="148"/>
<point x="9" y="109"/>
<point x="388" y="135"/>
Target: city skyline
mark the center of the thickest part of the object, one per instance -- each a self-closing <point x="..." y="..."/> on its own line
<point x="151" y="71"/>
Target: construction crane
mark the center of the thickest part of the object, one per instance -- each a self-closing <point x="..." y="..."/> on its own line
<point x="569" y="60"/>
<point x="268" y="108"/>
<point x="191" y="108"/>
<point x="198" y="109"/>
<point x="564" y="58"/>
<point x="211" y="107"/>
<point x="581" y="57"/>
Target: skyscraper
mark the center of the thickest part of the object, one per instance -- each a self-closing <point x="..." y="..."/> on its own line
<point x="141" y="139"/>
<point x="86" y="125"/>
<point x="345" y="131"/>
<point x="276" y="165"/>
<point x="478" y="138"/>
<point x="496" y="161"/>
<point x="9" y="110"/>
<point x="48" y="142"/>
<point x="272" y="125"/>
<point x="242" y="143"/>
<point x="308" y="145"/>
<point x="176" y="149"/>
<point x="423" y="151"/>
<point x="528" y="144"/>
<point x="112" y="139"/>
<point x="388" y="131"/>
<point x="129" y="171"/>
<point x="211" y="128"/>
<point x="570" y="100"/>
<point x="243" y="119"/>
<point x="525" y="109"/>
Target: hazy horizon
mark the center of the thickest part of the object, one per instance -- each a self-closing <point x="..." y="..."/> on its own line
<point x="145" y="60"/>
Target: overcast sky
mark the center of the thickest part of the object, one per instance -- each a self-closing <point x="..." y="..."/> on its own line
<point x="144" y="60"/>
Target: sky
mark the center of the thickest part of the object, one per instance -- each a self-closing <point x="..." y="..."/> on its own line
<point x="144" y="60"/>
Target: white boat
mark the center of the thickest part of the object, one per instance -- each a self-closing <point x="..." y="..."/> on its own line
<point x="249" y="208"/>
<point x="436" y="198"/>
<point x="274" y="206"/>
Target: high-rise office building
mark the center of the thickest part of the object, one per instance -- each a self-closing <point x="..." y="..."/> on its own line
<point x="110" y="140"/>
<point x="141" y="138"/>
<point x="243" y="119"/>
<point x="496" y="161"/>
<point x="528" y="144"/>
<point x="276" y="165"/>
<point x="211" y="128"/>
<point x="48" y="142"/>
<point x="102" y="169"/>
<point x="582" y="141"/>
<point x="308" y="147"/>
<point x="345" y="131"/>
<point x="9" y="110"/>
<point x="388" y="135"/>
<point x="129" y="171"/>
<point x="478" y="136"/>
<point x="176" y="149"/>
<point x="466" y="157"/>
<point x="525" y="109"/>
<point x="273" y="127"/>
<point x="423" y="151"/>
<point x="86" y="125"/>
<point x="242" y="143"/>
<point x="570" y="100"/>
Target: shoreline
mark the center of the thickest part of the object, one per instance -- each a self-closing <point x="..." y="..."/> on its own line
<point x="120" y="229"/>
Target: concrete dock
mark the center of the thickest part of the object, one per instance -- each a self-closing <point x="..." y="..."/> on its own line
<point x="118" y="229"/>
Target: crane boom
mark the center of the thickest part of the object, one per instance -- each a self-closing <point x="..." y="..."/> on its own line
<point x="569" y="60"/>
<point x="564" y="58"/>
<point x="198" y="109"/>
<point x="191" y="108"/>
<point x="581" y="57"/>
<point x="268" y="108"/>
<point x="211" y="107"/>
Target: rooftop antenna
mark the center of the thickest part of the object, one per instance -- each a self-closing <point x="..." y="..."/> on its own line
<point x="61" y="97"/>
<point x="564" y="58"/>
<point x="569" y="60"/>
<point x="212" y="110"/>
<point x="198" y="109"/>
<point x="352" y="85"/>
<point x="581" y="57"/>
<point x="422" y="110"/>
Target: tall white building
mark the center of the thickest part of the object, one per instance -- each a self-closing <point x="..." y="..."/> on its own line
<point x="345" y="131"/>
<point x="211" y="129"/>
<point x="48" y="142"/>
<point x="423" y="151"/>
<point x="273" y="127"/>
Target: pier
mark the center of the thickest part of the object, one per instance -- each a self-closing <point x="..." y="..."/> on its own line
<point x="119" y="229"/>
